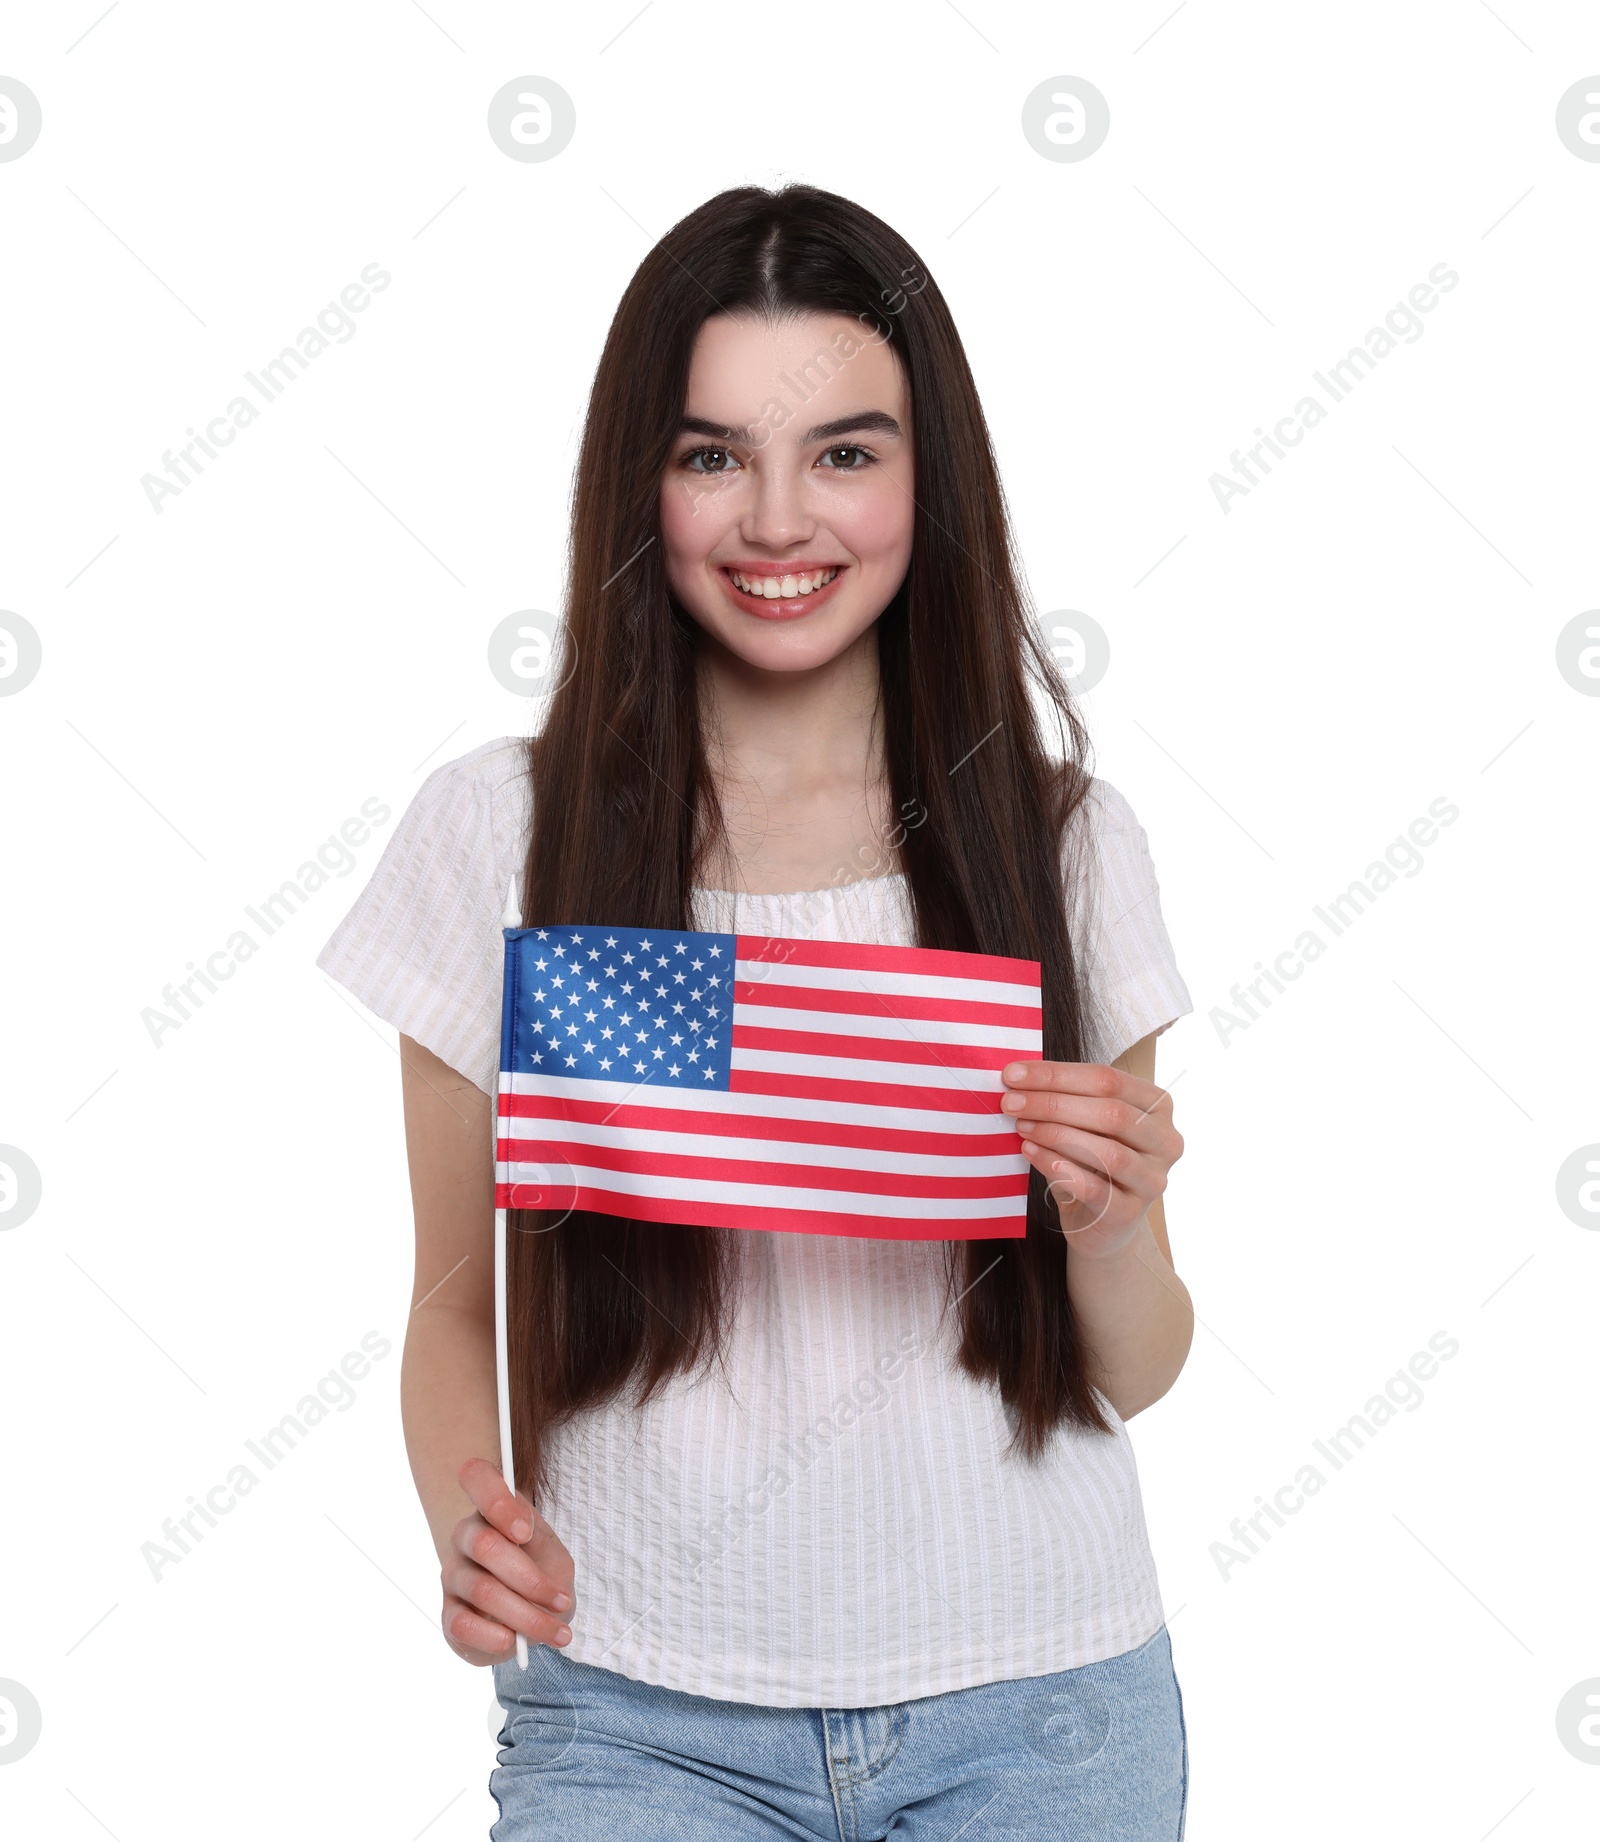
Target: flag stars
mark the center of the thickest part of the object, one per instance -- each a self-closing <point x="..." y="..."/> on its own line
<point x="635" y="1010"/>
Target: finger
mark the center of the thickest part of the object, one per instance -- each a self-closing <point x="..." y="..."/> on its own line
<point x="512" y="1514"/>
<point x="478" y="1639"/>
<point x="1141" y="1176"/>
<point x="1147" y="1129"/>
<point x="487" y="1548"/>
<point x="548" y="1551"/>
<point x="1082" y="1196"/>
<point x="1095" y="1079"/>
<point x="495" y="1600"/>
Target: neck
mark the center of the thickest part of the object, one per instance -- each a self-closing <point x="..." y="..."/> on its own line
<point x="797" y="759"/>
<point x="790" y="734"/>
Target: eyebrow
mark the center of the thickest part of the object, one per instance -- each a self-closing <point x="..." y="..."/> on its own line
<point x="874" y="420"/>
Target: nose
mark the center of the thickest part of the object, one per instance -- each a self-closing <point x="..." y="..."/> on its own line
<point x="777" y="517"/>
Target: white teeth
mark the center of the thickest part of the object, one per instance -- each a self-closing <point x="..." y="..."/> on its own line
<point x="783" y="588"/>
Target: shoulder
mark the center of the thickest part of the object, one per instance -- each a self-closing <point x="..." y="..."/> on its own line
<point x="1117" y="924"/>
<point x="495" y="771"/>
<point x="484" y="795"/>
<point x="1107" y="813"/>
<point x="1106" y="849"/>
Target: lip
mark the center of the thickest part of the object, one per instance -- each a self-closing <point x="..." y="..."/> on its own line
<point x="793" y="606"/>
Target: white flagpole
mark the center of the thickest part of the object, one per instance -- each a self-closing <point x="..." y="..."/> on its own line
<point x="503" y="1379"/>
<point x="502" y="1375"/>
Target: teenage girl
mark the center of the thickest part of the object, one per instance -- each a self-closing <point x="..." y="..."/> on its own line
<point x="820" y="1536"/>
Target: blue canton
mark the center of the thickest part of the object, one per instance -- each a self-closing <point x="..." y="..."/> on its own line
<point x="621" y="1004"/>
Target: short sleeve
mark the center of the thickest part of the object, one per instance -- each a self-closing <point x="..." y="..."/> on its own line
<point x="1134" y="985"/>
<point x="421" y="947"/>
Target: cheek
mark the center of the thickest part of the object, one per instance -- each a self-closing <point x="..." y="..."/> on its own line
<point x="876" y="523"/>
<point x="694" y="516"/>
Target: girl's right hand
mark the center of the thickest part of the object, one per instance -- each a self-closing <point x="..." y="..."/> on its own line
<point x="507" y="1572"/>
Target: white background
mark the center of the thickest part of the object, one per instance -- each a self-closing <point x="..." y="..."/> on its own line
<point x="1373" y="1160"/>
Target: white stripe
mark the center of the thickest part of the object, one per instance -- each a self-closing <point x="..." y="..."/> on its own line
<point x="896" y="1074"/>
<point x="773" y="975"/>
<point x="772" y="1151"/>
<point x="748" y="1106"/>
<point x="906" y="1029"/>
<point x="759" y="1195"/>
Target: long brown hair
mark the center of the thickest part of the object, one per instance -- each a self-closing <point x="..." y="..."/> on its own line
<point x="625" y="808"/>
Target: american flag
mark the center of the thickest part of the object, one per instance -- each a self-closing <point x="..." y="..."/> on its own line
<point x="758" y="1081"/>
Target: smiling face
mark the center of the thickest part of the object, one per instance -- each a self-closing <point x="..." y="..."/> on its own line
<point x="786" y="509"/>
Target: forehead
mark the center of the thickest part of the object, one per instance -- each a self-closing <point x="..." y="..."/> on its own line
<point x="742" y="362"/>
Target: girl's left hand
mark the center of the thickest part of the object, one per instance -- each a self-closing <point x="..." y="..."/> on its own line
<point x="1104" y="1141"/>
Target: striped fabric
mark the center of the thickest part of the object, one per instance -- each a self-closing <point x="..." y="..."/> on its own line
<point x="828" y="1516"/>
<point x="761" y="1081"/>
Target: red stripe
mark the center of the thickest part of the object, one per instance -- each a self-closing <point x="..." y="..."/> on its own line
<point x="882" y="1004"/>
<point x="865" y="1093"/>
<point x="784" y="1221"/>
<point x="739" y="1125"/>
<point x="855" y="956"/>
<point x="825" y="1045"/>
<point x="555" y="1151"/>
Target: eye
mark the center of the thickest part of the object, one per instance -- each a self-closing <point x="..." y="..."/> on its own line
<point x="839" y="458"/>
<point x="716" y="460"/>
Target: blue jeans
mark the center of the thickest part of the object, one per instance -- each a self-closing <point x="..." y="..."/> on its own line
<point x="1097" y="1754"/>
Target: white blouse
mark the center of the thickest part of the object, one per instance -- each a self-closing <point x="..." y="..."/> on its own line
<point x="830" y="1518"/>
